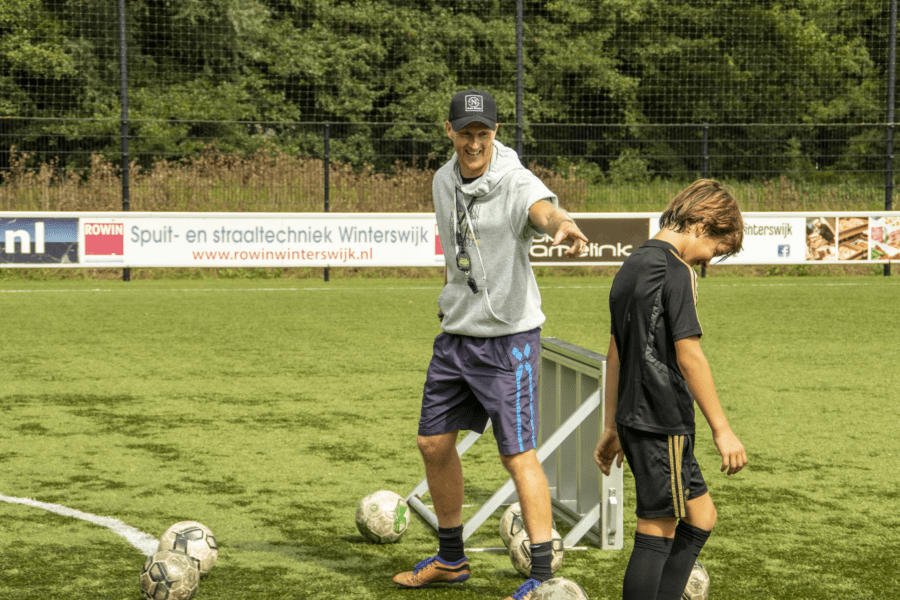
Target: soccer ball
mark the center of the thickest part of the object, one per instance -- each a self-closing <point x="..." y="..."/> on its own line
<point x="511" y="523"/>
<point x="698" y="585"/>
<point x="559" y="588"/>
<point x="382" y="517"/>
<point x="520" y="552"/>
<point x="169" y="575"/>
<point x="195" y="540"/>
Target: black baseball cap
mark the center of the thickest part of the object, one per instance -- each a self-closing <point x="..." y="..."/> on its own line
<point x="469" y="106"/>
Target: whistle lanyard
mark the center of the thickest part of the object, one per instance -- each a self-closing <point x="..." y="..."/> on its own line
<point x="463" y="262"/>
<point x="460" y="235"/>
<point x="462" y="259"/>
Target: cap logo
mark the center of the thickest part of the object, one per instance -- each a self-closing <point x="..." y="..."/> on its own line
<point x="474" y="103"/>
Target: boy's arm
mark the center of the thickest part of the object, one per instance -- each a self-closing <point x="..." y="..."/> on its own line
<point x="609" y="448"/>
<point x="697" y="374"/>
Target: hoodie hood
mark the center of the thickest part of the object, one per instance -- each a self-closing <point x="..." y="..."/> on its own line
<point x="504" y="161"/>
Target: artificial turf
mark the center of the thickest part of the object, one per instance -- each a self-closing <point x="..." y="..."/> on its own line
<point x="267" y="409"/>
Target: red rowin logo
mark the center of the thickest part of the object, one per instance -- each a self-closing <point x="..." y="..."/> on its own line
<point x="104" y="239"/>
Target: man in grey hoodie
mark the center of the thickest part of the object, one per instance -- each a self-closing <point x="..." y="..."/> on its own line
<point x="485" y="363"/>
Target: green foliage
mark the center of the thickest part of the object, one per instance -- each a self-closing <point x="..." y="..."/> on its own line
<point x="629" y="168"/>
<point x="374" y="60"/>
<point x="631" y="62"/>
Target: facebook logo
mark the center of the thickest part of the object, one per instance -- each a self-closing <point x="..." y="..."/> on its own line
<point x="784" y="251"/>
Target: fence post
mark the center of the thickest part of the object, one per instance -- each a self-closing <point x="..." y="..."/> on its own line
<point x="704" y="165"/>
<point x="704" y="169"/>
<point x="327" y="166"/>
<point x="889" y="161"/>
<point x="520" y="18"/>
<point x="123" y="100"/>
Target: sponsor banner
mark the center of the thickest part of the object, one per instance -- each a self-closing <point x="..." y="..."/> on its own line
<point x="269" y="241"/>
<point x="388" y="240"/>
<point x="769" y="238"/>
<point x="611" y="239"/>
<point x="853" y="237"/>
<point x="46" y="241"/>
<point x="218" y="240"/>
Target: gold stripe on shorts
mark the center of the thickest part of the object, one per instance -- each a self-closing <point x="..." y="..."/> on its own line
<point x="676" y="451"/>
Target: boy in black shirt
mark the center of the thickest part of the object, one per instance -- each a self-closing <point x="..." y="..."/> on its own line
<point x="655" y="372"/>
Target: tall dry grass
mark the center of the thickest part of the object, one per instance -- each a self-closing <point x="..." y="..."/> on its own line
<point x="267" y="181"/>
<point x="272" y="181"/>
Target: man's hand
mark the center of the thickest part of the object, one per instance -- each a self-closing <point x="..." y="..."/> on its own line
<point x="557" y="223"/>
<point x="608" y="449"/>
<point x="568" y="232"/>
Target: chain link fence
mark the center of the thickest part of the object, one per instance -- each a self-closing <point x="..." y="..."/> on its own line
<point x="299" y="105"/>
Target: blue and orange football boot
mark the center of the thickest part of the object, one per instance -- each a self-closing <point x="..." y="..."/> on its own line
<point x="525" y="590"/>
<point x="434" y="570"/>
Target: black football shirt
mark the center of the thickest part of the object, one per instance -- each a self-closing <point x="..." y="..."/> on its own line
<point x="652" y="304"/>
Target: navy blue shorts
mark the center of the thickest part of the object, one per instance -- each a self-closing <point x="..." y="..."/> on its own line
<point x="666" y="474"/>
<point x="471" y="380"/>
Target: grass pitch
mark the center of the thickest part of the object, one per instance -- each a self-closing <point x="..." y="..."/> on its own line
<point x="267" y="409"/>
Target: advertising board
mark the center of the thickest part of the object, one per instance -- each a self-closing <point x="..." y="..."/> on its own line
<point x="127" y="239"/>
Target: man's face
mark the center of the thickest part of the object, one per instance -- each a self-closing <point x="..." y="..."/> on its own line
<point x="474" y="145"/>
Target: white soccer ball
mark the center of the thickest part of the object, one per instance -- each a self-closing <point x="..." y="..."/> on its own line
<point x="698" y="585"/>
<point x="559" y="588"/>
<point x="382" y="517"/>
<point x="169" y="575"/>
<point x="195" y="540"/>
<point x="520" y="552"/>
<point x="511" y="522"/>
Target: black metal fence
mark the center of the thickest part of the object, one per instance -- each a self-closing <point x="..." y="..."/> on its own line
<point x="270" y="105"/>
<point x="603" y="103"/>
<point x="373" y="167"/>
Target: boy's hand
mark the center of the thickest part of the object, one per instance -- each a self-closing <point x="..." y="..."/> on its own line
<point x="734" y="457"/>
<point x="608" y="448"/>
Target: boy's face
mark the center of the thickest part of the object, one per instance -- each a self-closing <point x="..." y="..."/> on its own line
<point x="702" y="248"/>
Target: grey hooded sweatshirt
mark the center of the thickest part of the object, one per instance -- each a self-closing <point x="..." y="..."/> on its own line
<point x="498" y="202"/>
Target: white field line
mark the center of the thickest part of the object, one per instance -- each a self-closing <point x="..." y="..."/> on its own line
<point x="429" y="288"/>
<point x="144" y="542"/>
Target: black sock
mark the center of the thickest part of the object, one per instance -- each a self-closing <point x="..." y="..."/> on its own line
<point x="645" y="566"/>
<point x="541" y="559"/>
<point x="451" y="547"/>
<point x="689" y="541"/>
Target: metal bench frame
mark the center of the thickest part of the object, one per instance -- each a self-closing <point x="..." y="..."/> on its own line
<point x="571" y="407"/>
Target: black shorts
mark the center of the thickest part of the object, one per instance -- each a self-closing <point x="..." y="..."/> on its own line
<point x="666" y="474"/>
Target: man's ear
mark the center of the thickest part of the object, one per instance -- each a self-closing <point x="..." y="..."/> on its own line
<point x="449" y="129"/>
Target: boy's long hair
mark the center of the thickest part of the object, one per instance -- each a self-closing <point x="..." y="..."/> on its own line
<point x="710" y="204"/>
